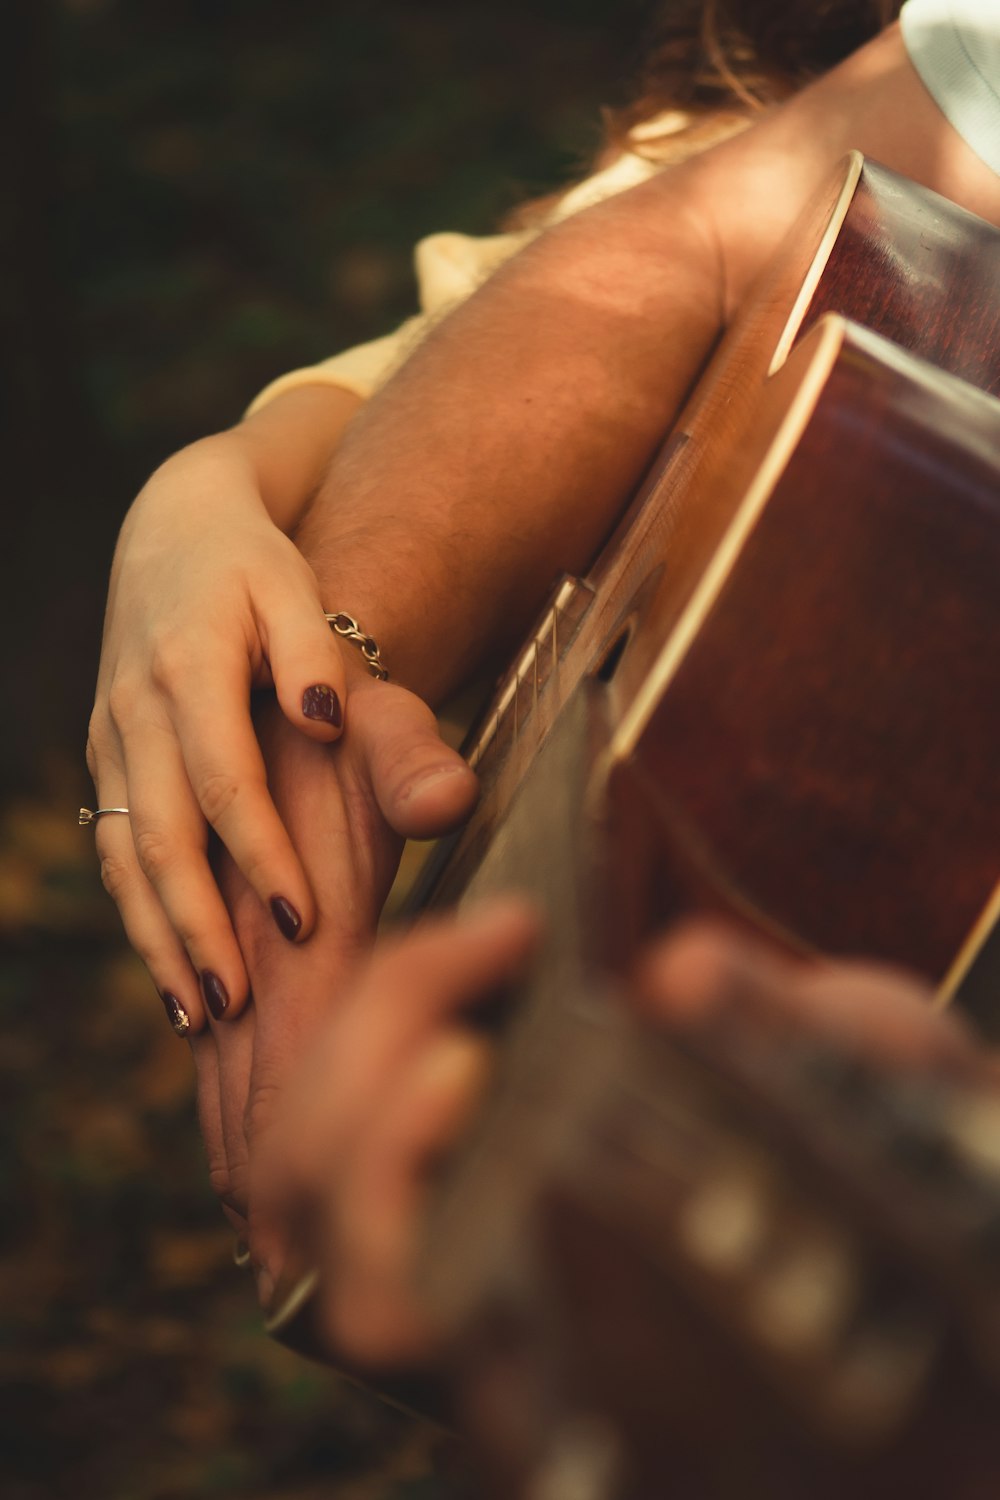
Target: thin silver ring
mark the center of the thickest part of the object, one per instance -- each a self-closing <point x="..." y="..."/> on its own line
<point x="88" y="815"/>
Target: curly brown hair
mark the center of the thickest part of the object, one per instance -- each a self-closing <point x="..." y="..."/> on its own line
<point x="712" y="56"/>
<point x="711" y="65"/>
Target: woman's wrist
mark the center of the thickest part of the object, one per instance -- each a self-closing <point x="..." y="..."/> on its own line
<point x="196" y="488"/>
<point x="289" y="444"/>
<point x="275" y="459"/>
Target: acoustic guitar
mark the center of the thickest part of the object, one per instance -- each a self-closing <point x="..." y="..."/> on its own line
<point x="794" y="618"/>
<point x="704" y="1269"/>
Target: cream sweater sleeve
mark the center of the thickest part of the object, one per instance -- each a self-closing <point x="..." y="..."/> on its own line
<point x="449" y="268"/>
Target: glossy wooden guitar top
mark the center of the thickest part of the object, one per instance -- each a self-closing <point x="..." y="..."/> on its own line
<point x="815" y="740"/>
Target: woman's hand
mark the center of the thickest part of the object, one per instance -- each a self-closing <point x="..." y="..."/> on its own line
<point x="208" y="600"/>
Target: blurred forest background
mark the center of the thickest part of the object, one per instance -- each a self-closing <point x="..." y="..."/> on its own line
<point x="198" y="195"/>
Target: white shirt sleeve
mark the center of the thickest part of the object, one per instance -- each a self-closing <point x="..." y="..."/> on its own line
<point x="955" y="47"/>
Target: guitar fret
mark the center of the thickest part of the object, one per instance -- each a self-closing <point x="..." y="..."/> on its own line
<point x="521" y="695"/>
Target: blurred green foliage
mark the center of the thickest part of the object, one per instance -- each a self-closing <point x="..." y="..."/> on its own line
<point x="207" y="192"/>
<point x="200" y="193"/>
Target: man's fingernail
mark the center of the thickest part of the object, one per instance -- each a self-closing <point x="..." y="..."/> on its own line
<point x="215" y="994"/>
<point x="432" y="778"/>
<point x="287" y="919"/>
<point x="176" y="1014"/>
<point x="321" y="702"/>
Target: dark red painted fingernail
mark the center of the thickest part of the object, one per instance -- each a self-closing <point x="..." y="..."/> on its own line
<point x="288" y="921"/>
<point x="215" y="994"/>
<point x="176" y="1014"/>
<point x="321" y="702"/>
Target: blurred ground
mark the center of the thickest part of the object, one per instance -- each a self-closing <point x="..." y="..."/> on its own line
<point x="201" y="193"/>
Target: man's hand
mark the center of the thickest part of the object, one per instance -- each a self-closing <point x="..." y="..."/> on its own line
<point x="393" y="1076"/>
<point x="705" y="972"/>
<point x="390" y="1083"/>
<point x="347" y="807"/>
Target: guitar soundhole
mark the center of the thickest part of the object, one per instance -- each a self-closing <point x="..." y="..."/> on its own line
<point x="611" y="659"/>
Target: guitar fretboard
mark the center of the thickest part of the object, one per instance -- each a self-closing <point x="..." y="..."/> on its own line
<point x="520" y="704"/>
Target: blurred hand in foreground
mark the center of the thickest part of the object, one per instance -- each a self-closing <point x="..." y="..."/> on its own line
<point x="394" y="1075"/>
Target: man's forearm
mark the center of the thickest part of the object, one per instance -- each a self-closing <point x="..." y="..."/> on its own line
<point x="504" y="449"/>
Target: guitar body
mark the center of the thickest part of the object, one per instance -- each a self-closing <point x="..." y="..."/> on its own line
<point x="812" y="748"/>
<point x="773" y="698"/>
<point x="834" y="1333"/>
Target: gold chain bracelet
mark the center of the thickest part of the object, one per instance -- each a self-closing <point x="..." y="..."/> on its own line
<point x="350" y="630"/>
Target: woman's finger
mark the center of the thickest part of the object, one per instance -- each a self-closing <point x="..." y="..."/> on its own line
<point x="225" y="769"/>
<point x="306" y="664"/>
<point x="178" y="777"/>
<point x="146" y="924"/>
<point x="169" y="836"/>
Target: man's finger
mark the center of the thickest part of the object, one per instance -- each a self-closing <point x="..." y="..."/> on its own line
<point x="373" y="1217"/>
<point x="422" y="786"/>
